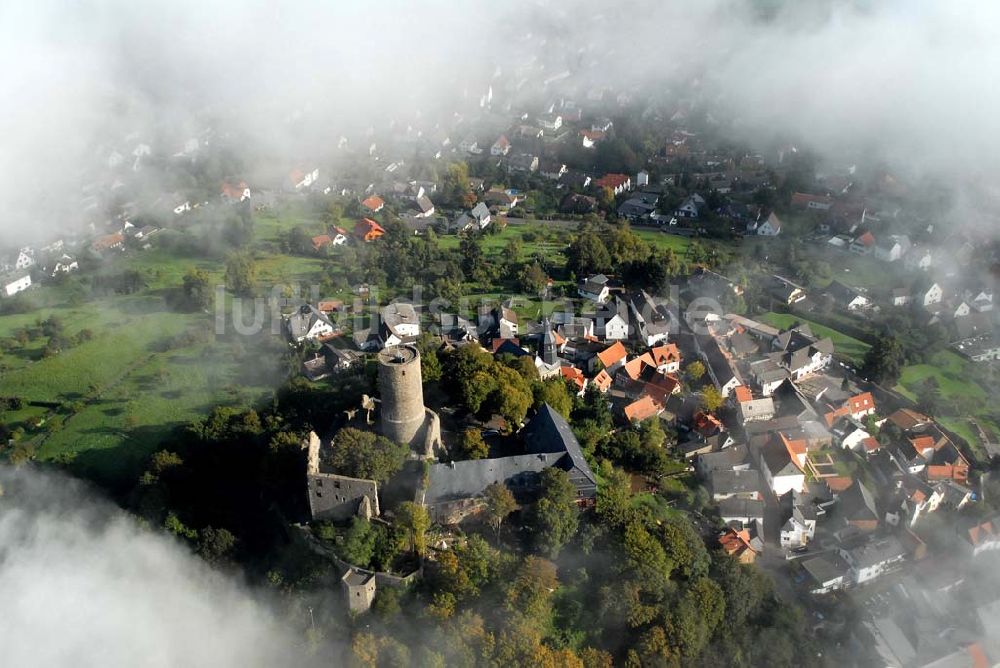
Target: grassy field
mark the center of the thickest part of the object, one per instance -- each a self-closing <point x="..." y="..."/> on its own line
<point x="146" y="371"/>
<point x="843" y="345"/>
<point x="952" y="373"/>
<point x="859" y="271"/>
<point x="148" y="368"/>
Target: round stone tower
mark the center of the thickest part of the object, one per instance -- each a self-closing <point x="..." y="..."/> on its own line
<point x="402" y="413"/>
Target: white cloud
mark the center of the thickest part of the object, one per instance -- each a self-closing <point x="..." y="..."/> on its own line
<point x="83" y="585"/>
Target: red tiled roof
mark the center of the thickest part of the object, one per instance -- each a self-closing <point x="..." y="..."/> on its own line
<point x="661" y="386"/>
<point x="871" y="444"/>
<point x="234" y="192"/>
<point x="612" y="354"/>
<point x="634" y="366"/>
<point x="108" y="241"/>
<point x="665" y="353"/>
<point x="803" y="199"/>
<point x="834" y="415"/>
<point x="907" y="419"/>
<point x="642" y="409"/>
<point x="979" y="533"/>
<point x="497" y="342"/>
<point x="373" y="203"/>
<point x="602" y="380"/>
<point x="573" y="374"/>
<point x="368" y="228"/>
<point x="706" y="423"/>
<point x="796" y="449"/>
<point x="736" y="543"/>
<point x="978" y="656"/>
<point x="743" y="394"/>
<point x="612" y="180"/>
<point x="861" y="402"/>
<point x="321" y="241"/>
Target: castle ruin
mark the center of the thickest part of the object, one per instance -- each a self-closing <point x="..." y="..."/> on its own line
<point x="403" y="417"/>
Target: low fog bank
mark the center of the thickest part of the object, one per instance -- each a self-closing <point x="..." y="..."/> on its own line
<point x="83" y="585"/>
<point x="902" y="81"/>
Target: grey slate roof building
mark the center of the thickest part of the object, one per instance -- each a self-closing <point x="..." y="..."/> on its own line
<point x="741" y="483"/>
<point x="857" y="506"/>
<point x="548" y="432"/>
<point x="744" y="510"/>
<point x="300" y="323"/>
<point x="454" y="488"/>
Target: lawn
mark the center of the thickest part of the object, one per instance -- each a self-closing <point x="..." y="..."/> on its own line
<point x="952" y="373"/>
<point x="859" y="271"/>
<point x="844" y="345"/>
<point x="147" y="370"/>
<point x="536" y="238"/>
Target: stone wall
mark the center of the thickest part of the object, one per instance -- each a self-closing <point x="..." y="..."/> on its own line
<point x="338" y="497"/>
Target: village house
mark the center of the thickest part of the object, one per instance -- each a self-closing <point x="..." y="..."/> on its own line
<point x="856" y="507"/>
<point x="979" y="537"/>
<point x="63" y="265"/>
<point x="596" y="288"/>
<point x="742" y="511"/>
<point x="721" y="369"/>
<point x="932" y="294"/>
<point x="299" y="179"/>
<point x="806" y="202"/>
<point x="368" y="230"/>
<point x="590" y="138"/>
<point x="892" y="247"/>
<point x="750" y="409"/>
<point x="863" y="244"/>
<point x="399" y="324"/>
<point x="617" y="183"/>
<point x="651" y="322"/>
<point x="827" y="572"/>
<point x="25" y="259"/>
<point x="501" y="146"/>
<point x="781" y="461"/>
<point x="736" y="543"/>
<point x="503" y="200"/>
<point x="613" y="320"/>
<point x="235" y="193"/>
<point x="577" y="204"/>
<point x="692" y="207"/>
<point x="642" y="409"/>
<point x="733" y="483"/>
<point x="870" y="558"/>
<point x="771" y="227"/>
<point x="108" y="242"/>
<point x="846" y="297"/>
<point x="800" y="528"/>
<point x="613" y="357"/>
<point x="550" y="121"/>
<point x="15" y="283"/>
<point x="309" y="324"/>
<point x="373" y="204"/>
<point x="522" y="162"/>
